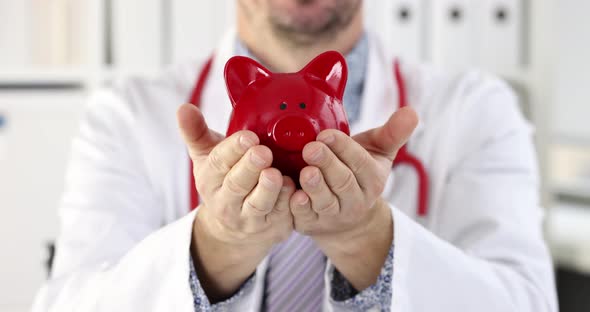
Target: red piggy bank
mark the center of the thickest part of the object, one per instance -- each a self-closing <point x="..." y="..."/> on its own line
<point x="287" y="110"/>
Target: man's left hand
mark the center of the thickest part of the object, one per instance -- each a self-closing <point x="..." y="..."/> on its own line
<point x="340" y="203"/>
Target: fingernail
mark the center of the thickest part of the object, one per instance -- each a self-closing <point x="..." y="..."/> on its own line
<point x="285" y="188"/>
<point x="257" y="160"/>
<point x="314" y="180"/>
<point x="268" y="183"/>
<point x="246" y="142"/>
<point x="327" y="139"/>
<point x="318" y="154"/>
<point x="302" y="200"/>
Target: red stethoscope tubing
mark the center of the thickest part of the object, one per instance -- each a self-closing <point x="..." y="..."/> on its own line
<point x="404" y="157"/>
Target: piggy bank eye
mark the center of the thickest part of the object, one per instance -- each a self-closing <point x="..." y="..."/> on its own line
<point x="283" y="106"/>
<point x="302" y="105"/>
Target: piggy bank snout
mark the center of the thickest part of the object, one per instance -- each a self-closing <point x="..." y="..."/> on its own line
<point x="291" y="133"/>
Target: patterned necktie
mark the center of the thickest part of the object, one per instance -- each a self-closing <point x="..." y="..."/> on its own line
<point x="295" y="278"/>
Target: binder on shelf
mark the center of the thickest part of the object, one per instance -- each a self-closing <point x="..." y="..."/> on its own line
<point x="50" y="32"/>
<point x="454" y="36"/>
<point x="502" y="31"/>
<point x="15" y="34"/>
<point x="43" y="34"/>
<point x="79" y="32"/>
<point x="136" y="36"/>
<point x="408" y="35"/>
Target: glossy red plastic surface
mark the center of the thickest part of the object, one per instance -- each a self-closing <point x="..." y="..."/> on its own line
<point x="287" y="110"/>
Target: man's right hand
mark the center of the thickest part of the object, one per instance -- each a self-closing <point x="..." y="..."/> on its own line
<point x="245" y="204"/>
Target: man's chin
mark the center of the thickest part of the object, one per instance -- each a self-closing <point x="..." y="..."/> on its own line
<point x="308" y="22"/>
<point x="306" y="32"/>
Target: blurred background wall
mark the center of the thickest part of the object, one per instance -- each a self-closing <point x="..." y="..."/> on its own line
<point x="53" y="53"/>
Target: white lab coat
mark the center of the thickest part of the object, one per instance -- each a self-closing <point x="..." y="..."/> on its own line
<point x="125" y="232"/>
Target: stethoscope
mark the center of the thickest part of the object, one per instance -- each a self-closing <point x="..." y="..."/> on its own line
<point x="404" y="157"/>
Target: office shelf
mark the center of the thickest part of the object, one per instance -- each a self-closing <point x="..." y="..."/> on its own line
<point x="579" y="189"/>
<point x="569" y="235"/>
<point x="577" y="141"/>
<point x="43" y="78"/>
<point x="517" y="77"/>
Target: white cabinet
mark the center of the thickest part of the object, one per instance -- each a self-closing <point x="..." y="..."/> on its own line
<point x="35" y="139"/>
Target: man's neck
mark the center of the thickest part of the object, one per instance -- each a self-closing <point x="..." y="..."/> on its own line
<point x="280" y="55"/>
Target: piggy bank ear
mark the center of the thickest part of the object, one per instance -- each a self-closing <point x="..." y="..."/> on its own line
<point x="239" y="73"/>
<point x="331" y="67"/>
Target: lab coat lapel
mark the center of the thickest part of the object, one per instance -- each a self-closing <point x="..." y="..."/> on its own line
<point x="379" y="98"/>
<point x="380" y="101"/>
<point x="381" y="95"/>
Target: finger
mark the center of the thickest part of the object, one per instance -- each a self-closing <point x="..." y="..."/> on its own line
<point x="211" y="173"/>
<point x="389" y="138"/>
<point x="338" y="176"/>
<point x="323" y="201"/>
<point x="263" y="198"/>
<point x="282" y="205"/>
<point x="244" y="176"/>
<point x="280" y="216"/>
<point x="353" y="155"/>
<point x="304" y="217"/>
<point x="193" y="128"/>
<point x="229" y="151"/>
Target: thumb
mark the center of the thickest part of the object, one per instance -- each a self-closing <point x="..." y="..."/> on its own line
<point x="389" y="138"/>
<point x="199" y="139"/>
